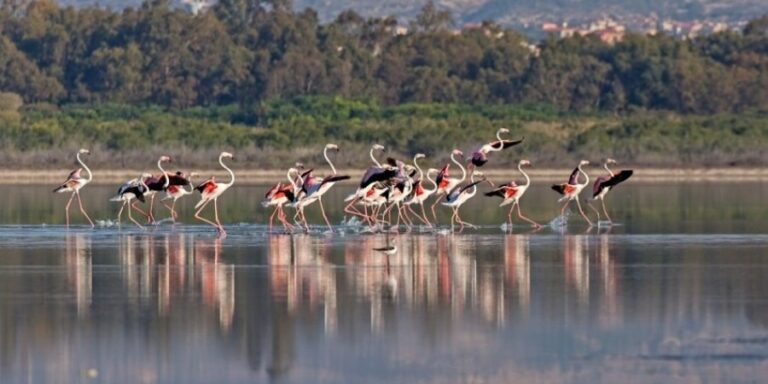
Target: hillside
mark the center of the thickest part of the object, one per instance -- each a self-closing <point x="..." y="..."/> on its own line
<point x="514" y="11"/>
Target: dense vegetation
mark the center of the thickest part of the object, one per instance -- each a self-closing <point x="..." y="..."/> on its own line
<point x="256" y="76"/>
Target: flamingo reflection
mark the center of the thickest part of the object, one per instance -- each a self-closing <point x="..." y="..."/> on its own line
<point x="80" y="270"/>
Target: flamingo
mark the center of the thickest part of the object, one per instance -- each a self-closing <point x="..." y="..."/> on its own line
<point x="572" y="189"/>
<point x="74" y="183"/>
<point x="210" y="190"/>
<point x="421" y="194"/>
<point x="459" y="195"/>
<point x="445" y="184"/>
<point x="279" y="195"/>
<point x="130" y="190"/>
<point x="604" y="184"/>
<point x="480" y="157"/>
<point x="512" y="193"/>
<point x="156" y="184"/>
<point x="313" y="189"/>
<point x="399" y="191"/>
<point x="176" y="190"/>
<point x="369" y="187"/>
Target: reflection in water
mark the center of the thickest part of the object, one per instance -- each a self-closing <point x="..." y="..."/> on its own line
<point x="288" y="306"/>
<point x="79" y="268"/>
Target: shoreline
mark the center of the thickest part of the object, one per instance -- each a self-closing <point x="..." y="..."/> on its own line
<point x="117" y="176"/>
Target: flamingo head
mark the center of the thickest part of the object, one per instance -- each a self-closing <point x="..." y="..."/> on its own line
<point x="84" y="151"/>
<point x="419" y="156"/>
<point x="332" y="147"/>
<point x="583" y="162"/>
<point x="457" y="152"/>
<point x="503" y="130"/>
<point x="378" y="147"/>
<point x="227" y="154"/>
<point x="610" y="161"/>
<point x="432" y="170"/>
<point x="525" y="162"/>
<point x="165" y="158"/>
<point x="298" y="166"/>
<point x="146" y="175"/>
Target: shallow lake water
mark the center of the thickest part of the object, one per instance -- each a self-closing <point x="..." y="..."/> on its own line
<point x="675" y="292"/>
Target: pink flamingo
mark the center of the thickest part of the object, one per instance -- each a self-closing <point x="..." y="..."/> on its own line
<point x="74" y="184"/>
<point x="279" y="195"/>
<point x="460" y="195"/>
<point x="445" y="184"/>
<point x="572" y="189"/>
<point x="210" y="190"/>
<point x="176" y="190"/>
<point x="512" y="193"/>
<point x="480" y="157"/>
<point x="604" y="184"/>
<point x="128" y="193"/>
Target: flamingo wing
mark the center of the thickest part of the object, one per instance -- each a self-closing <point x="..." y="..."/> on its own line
<point x="563" y="189"/>
<point x="506" y="143"/>
<point x="611" y="182"/>
<point x="334" y="178"/>
<point x="273" y="190"/>
<point x="440" y="180"/>
<point x="376" y="174"/>
<point x="207" y="186"/>
<point x="500" y="192"/>
<point x="479" y="158"/>
<point x="177" y="179"/>
<point x="573" y="179"/>
<point x="75" y="174"/>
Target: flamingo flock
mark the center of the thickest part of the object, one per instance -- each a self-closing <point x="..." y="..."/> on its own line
<point x="386" y="195"/>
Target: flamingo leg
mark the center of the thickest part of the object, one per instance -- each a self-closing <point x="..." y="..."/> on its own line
<point x="424" y="214"/>
<point x="130" y="216"/>
<point x="350" y="208"/>
<point x="584" y="215"/>
<point x="272" y="217"/>
<point x="120" y="213"/>
<point x="462" y="222"/>
<point x="413" y="212"/>
<point x="520" y="215"/>
<point x="173" y="210"/>
<point x="562" y="211"/>
<point x="434" y="213"/>
<point x="199" y="210"/>
<point x="173" y="216"/>
<point x="150" y="212"/>
<point x="80" y="203"/>
<point x="602" y="201"/>
<point x="66" y="208"/>
<point x="322" y="210"/>
<point x="216" y="213"/>
<point x="509" y="216"/>
<point x="139" y="210"/>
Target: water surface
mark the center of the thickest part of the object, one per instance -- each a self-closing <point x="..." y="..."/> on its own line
<point x="675" y="293"/>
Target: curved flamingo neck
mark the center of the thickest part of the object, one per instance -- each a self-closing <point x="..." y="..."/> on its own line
<point x="501" y="142"/>
<point x="79" y="160"/>
<point x="325" y="154"/>
<point x="416" y="164"/>
<point x="191" y="187"/>
<point x="527" y="179"/>
<point x="586" y="182"/>
<point x="463" y="171"/>
<point x="608" y="169"/>
<point x="374" y="158"/>
<point x="232" y="174"/>
<point x="167" y="179"/>
<point x="474" y="187"/>
<point x="290" y="178"/>
<point x="142" y="183"/>
<point x="434" y="184"/>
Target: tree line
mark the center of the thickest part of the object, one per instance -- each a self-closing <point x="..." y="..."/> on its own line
<point x="244" y="52"/>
